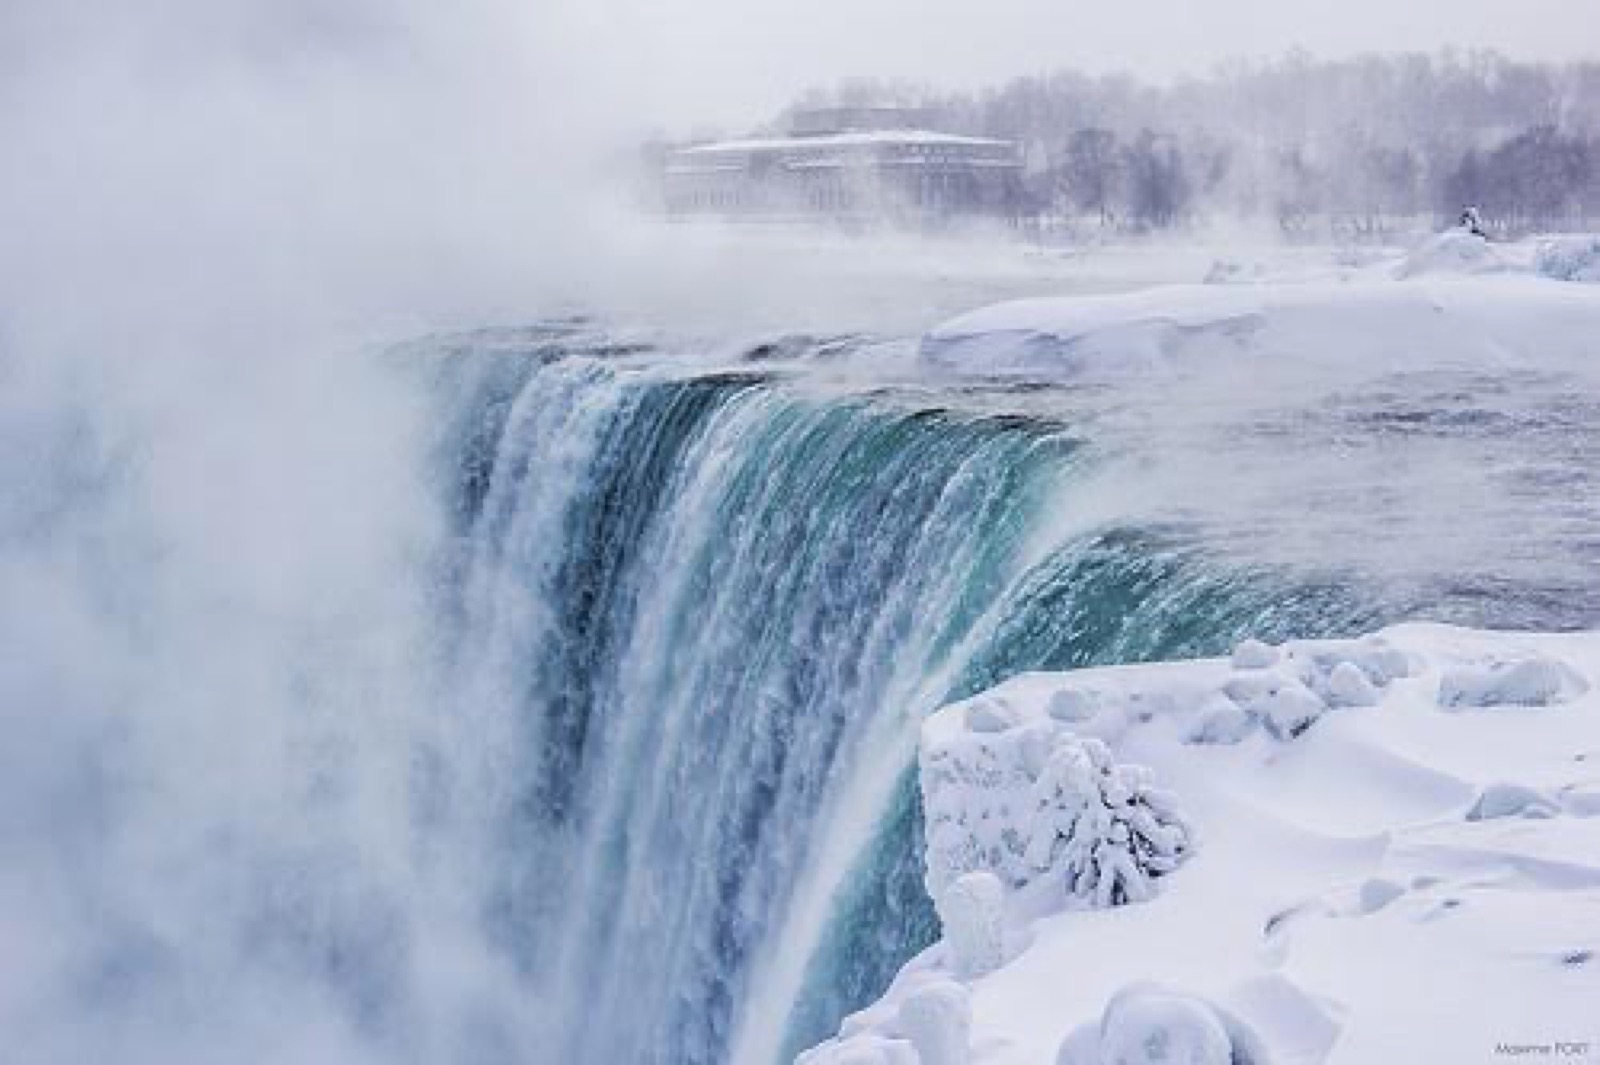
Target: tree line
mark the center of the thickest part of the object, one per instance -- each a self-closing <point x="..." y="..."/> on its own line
<point x="1365" y="144"/>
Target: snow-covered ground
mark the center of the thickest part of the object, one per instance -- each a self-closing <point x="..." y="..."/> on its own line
<point x="1378" y="850"/>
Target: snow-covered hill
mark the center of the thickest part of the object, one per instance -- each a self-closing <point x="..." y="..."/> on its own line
<point x="1376" y="850"/>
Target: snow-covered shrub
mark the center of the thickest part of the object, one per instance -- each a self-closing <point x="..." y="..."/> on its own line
<point x="1149" y="1025"/>
<point x="1570" y="258"/>
<point x="1038" y="803"/>
<point x="937" y="1020"/>
<point x="972" y="913"/>
<point x="1105" y="829"/>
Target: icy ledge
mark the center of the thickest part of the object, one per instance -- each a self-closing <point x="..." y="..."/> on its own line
<point x="1377" y="850"/>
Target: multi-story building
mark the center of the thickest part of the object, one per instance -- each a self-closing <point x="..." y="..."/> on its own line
<point x="850" y="165"/>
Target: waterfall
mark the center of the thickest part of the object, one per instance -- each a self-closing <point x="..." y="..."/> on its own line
<point x="697" y="621"/>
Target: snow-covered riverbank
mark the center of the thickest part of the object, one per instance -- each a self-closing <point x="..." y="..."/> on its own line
<point x="1386" y="852"/>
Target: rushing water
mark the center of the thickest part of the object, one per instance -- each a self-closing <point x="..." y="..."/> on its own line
<point x="697" y="617"/>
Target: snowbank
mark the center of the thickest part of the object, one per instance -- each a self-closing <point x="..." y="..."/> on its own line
<point x="1373" y="850"/>
<point x="1492" y="316"/>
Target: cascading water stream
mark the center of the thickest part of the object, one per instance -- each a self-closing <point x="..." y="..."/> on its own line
<point x="698" y="620"/>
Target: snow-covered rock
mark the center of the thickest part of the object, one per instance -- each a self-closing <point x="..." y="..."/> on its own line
<point x="1403" y="879"/>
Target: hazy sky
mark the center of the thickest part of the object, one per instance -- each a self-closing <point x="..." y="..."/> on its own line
<point x="732" y="61"/>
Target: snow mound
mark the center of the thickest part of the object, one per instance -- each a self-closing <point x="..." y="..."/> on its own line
<point x="1530" y="681"/>
<point x="1570" y="258"/>
<point x="1455" y="251"/>
<point x="1149" y="1025"/>
<point x="972" y="916"/>
<point x="1399" y="860"/>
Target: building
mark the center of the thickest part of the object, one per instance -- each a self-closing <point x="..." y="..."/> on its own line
<point x="849" y="165"/>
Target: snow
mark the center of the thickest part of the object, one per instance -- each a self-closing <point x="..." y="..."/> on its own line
<point x="1455" y="251"/>
<point x="1570" y="258"/>
<point x="1390" y="851"/>
<point x="1457" y="301"/>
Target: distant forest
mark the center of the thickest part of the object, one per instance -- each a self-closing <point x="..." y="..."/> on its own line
<point x="1363" y="146"/>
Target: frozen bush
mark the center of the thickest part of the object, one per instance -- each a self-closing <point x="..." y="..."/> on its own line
<point x="1038" y="803"/>
<point x="1103" y="828"/>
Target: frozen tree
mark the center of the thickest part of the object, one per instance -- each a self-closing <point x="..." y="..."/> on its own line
<point x="1103" y="828"/>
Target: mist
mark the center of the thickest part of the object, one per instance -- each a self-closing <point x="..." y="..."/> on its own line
<point x="216" y="534"/>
